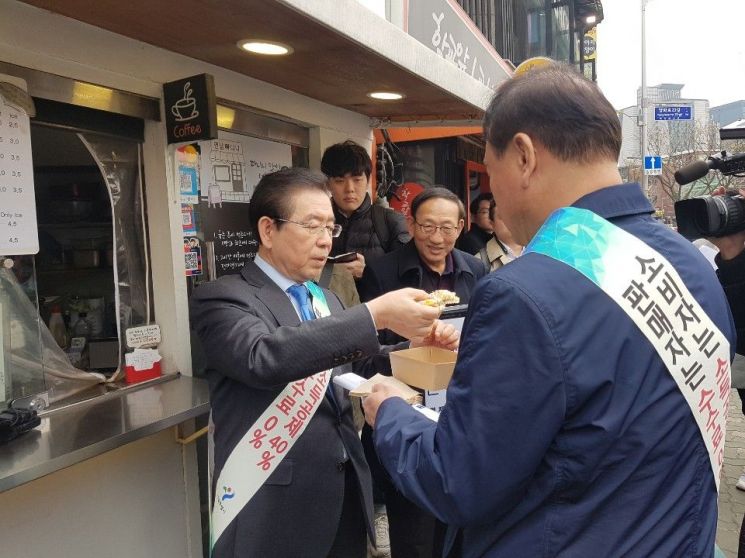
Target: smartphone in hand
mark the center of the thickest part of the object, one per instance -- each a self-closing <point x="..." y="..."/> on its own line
<point x="343" y="258"/>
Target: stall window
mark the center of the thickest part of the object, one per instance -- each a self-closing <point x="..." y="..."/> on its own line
<point x="69" y="305"/>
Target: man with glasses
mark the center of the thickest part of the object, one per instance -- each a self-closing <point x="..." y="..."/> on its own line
<point x="429" y="262"/>
<point x="272" y="340"/>
<point x="481" y="226"/>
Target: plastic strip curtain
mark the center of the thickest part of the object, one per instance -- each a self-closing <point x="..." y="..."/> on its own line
<point x="120" y="163"/>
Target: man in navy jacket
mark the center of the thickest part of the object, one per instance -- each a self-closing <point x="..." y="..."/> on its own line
<point x="572" y="438"/>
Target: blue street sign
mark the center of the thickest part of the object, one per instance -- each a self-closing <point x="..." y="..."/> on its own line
<point x="669" y="112"/>
<point x="652" y="164"/>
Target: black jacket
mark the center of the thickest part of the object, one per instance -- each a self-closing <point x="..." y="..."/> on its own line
<point x="403" y="268"/>
<point x="731" y="275"/>
<point x="474" y="240"/>
<point x="358" y="232"/>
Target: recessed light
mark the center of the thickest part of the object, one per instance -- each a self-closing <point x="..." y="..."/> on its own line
<point x="591" y="19"/>
<point x="385" y="95"/>
<point x="267" y="48"/>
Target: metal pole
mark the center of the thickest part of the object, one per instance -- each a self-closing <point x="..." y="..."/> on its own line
<point x="643" y="122"/>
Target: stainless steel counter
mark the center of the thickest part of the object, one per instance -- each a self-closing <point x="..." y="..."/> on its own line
<point x="82" y="431"/>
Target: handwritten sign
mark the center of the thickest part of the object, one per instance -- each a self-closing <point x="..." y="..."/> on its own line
<point x="232" y="165"/>
<point x="18" y="230"/>
<point x="444" y="27"/>
<point x="227" y="227"/>
<point x="142" y="336"/>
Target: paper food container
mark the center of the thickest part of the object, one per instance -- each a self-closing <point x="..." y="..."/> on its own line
<point x="363" y="390"/>
<point x="424" y="367"/>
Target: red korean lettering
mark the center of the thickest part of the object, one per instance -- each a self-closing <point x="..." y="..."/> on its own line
<point x="279" y="445"/>
<point x="294" y="426"/>
<point x="257" y="439"/>
<point x="285" y="406"/>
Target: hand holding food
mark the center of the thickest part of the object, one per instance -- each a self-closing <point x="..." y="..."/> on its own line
<point x="401" y="312"/>
<point x="440" y="298"/>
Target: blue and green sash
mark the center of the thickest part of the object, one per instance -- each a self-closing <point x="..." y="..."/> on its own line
<point x="648" y="288"/>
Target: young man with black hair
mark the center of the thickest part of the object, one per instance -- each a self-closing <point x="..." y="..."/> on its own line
<point x="369" y="229"/>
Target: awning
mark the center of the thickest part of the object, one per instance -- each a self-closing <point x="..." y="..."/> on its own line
<point x="342" y="51"/>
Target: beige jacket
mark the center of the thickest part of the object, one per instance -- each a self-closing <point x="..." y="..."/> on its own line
<point x="495" y="254"/>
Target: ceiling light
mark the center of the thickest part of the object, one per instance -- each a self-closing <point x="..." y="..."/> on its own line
<point x="591" y="19"/>
<point x="385" y="95"/>
<point x="268" y="48"/>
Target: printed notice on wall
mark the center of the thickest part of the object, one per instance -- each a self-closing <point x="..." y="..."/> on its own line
<point x="232" y="165"/>
<point x="18" y="232"/>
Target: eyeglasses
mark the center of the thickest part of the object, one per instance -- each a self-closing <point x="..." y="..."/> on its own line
<point x="317" y="230"/>
<point x="445" y="230"/>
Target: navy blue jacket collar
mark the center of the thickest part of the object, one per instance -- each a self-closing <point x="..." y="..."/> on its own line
<point x="621" y="200"/>
<point x="411" y="262"/>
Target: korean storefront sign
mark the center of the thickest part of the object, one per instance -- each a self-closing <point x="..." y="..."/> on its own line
<point x="445" y="28"/>
<point x="191" y="109"/>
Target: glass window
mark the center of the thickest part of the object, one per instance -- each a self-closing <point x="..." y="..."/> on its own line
<point x="536" y="28"/>
<point x="560" y="29"/>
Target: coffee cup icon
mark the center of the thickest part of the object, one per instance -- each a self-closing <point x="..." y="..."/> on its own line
<point x="186" y="107"/>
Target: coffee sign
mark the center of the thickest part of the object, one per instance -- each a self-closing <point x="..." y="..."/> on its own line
<point x="191" y="109"/>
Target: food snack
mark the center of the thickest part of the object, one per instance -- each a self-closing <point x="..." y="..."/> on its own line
<point x="440" y="298"/>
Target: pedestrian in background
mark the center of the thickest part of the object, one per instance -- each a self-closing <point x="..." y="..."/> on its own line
<point x="368" y="229"/>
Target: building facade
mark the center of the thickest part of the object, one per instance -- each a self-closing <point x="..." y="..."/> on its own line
<point x="522" y="29"/>
<point x="728" y="113"/>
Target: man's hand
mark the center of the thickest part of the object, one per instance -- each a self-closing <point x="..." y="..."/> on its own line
<point x="356" y="268"/>
<point x="401" y="312"/>
<point x="442" y="335"/>
<point x="732" y="245"/>
<point x="371" y="403"/>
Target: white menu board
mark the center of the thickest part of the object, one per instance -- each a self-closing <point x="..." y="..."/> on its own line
<point x="18" y="231"/>
<point x="233" y="164"/>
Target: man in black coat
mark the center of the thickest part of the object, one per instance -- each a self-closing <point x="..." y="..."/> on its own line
<point x="429" y="262"/>
<point x="368" y="229"/>
<point x="481" y="226"/>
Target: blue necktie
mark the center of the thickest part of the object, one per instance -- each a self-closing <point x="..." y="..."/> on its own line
<point x="301" y="295"/>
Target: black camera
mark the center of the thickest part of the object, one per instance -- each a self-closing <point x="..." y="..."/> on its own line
<point x="711" y="216"/>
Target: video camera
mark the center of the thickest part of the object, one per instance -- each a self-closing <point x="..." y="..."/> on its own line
<point x="713" y="216"/>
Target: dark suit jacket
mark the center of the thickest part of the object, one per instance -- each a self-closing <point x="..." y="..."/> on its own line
<point x="403" y="268"/>
<point x="255" y="344"/>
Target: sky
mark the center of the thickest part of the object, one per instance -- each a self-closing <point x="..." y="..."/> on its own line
<point x="699" y="43"/>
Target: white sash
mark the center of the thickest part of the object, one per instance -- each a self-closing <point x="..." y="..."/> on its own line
<point x="648" y="288"/>
<point x="268" y="440"/>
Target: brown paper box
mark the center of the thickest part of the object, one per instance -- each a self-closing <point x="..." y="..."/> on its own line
<point x="363" y="390"/>
<point x="424" y="367"/>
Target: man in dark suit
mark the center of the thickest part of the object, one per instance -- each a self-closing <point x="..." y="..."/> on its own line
<point x="266" y="355"/>
<point x="430" y="262"/>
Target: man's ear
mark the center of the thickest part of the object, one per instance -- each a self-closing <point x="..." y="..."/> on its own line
<point x="527" y="157"/>
<point x="267" y="229"/>
<point x="410" y="224"/>
<point x="461" y="224"/>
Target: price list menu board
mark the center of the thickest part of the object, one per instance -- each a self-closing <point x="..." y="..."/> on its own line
<point x="18" y="231"/>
